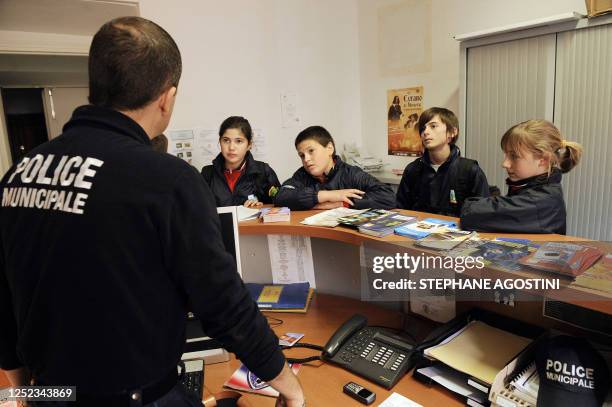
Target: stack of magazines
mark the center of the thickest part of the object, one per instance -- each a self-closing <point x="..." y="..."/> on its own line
<point x="269" y="215"/>
<point x="385" y="224"/>
<point x="568" y="259"/>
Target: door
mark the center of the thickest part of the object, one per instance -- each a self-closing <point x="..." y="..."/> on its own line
<point x="59" y="104"/>
<point x="25" y="120"/>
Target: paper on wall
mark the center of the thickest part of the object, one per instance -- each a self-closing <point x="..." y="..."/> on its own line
<point x="199" y="146"/>
<point x="289" y="110"/>
<point x="291" y="259"/>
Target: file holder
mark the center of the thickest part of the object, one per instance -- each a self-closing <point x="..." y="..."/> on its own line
<point x="442" y="332"/>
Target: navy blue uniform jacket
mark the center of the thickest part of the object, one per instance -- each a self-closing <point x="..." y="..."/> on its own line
<point x="258" y="179"/>
<point x="533" y="205"/>
<point x="423" y="189"/>
<point x="105" y="245"/>
<point x="300" y="191"/>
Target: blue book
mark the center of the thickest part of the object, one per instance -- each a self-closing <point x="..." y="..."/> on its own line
<point x="280" y="296"/>
<point x="424" y="228"/>
<point x="385" y="224"/>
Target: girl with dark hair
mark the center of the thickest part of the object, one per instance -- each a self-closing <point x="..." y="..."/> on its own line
<point x="326" y="182"/>
<point x="235" y="177"/>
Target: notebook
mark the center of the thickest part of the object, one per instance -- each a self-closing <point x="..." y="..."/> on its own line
<point x="293" y="297"/>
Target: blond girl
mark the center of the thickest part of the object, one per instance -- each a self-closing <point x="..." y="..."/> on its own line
<point x="535" y="156"/>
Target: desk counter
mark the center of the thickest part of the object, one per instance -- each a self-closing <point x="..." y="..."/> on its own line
<point x="348" y="235"/>
<point x="592" y="299"/>
<point x="323" y="382"/>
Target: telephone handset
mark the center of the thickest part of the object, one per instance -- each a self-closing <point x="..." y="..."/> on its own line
<point x="350" y="326"/>
<point x="371" y="352"/>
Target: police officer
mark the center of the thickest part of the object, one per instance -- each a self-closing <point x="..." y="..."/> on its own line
<point x="105" y="244"/>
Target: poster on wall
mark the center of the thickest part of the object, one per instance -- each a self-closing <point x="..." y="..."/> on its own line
<point x="199" y="145"/>
<point x="404" y="108"/>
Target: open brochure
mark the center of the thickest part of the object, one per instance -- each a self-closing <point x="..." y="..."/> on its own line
<point x="569" y="259"/>
<point x="598" y="277"/>
<point x="330" y="217"/>
<point x="243" y="379"/>
<point x="445" y="239"/>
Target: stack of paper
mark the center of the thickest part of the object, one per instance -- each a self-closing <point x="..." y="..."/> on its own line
<point x="330" y="217"/>
<point x="269" y="215"/>
<point x="479" y="350"/>
<point x="245" y="213"/>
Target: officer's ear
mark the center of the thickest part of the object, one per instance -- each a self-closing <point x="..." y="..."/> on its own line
<point x="166" y="100"/>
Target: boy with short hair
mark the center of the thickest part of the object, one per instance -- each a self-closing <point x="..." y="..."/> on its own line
<point x="440" y="180"/>
<point x="324" y="181"/>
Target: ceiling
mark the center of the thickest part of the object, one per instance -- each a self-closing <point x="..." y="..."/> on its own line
<point x="74" y="17"/>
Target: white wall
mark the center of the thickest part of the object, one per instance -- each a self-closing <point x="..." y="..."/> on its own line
<point x="239" y="55"/>
<point x="441" y="82"/>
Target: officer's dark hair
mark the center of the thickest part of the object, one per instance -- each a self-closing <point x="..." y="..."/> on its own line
<point x="238" y="123"/>
<point x="131" y="62"/>
<point x="446" y="116"/>
<point x="317" y="133"/>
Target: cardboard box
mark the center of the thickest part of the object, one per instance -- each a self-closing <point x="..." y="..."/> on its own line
<point x="598" y="7"/>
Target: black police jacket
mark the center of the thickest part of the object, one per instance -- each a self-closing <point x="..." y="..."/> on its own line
<point x="533" y="205"/>
<point x="258" y="179"/>
<point x="300" y="191"/>
<point x="443" y="191"/>
<point x="105" y="245"/>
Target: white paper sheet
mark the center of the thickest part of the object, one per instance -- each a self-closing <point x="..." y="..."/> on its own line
<point x="181" y="144"/>
<point x="397" y="400"/>
<point x="245" y="213"/>
<point x="291" y="259"/>
<point x="199" y="146"/>
<point x="289" y="110"/>
<point x="452" y="380"/>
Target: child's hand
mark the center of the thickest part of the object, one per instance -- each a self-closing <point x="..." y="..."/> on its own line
<point x="250" y="203"/>
<point x="327" y="205"/>
<point x="340" y="195"/>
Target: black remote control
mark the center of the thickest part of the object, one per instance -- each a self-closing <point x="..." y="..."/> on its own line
<point x="359" y="393"/>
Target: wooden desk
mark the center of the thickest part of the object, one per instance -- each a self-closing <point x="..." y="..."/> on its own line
<point x="323" y="382"/>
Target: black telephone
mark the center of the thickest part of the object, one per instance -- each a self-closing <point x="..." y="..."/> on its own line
<point x="373" y="353"/>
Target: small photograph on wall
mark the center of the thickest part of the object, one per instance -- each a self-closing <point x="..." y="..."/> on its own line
<point x="404" y="108"/>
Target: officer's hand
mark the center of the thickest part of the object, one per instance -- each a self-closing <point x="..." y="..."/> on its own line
<point x="283" y="402"/>
<point x="289" y="388"/>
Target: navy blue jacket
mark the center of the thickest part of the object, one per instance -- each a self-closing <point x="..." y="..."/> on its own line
<point x="426" y="190"/>
<point x="105" y="245"/>
<point x="533" y="205"/>
<point x="258" y="179"/>
<point x="300" y="191"/>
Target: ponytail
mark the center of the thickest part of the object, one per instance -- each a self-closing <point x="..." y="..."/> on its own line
<point x="569" y="155"/>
